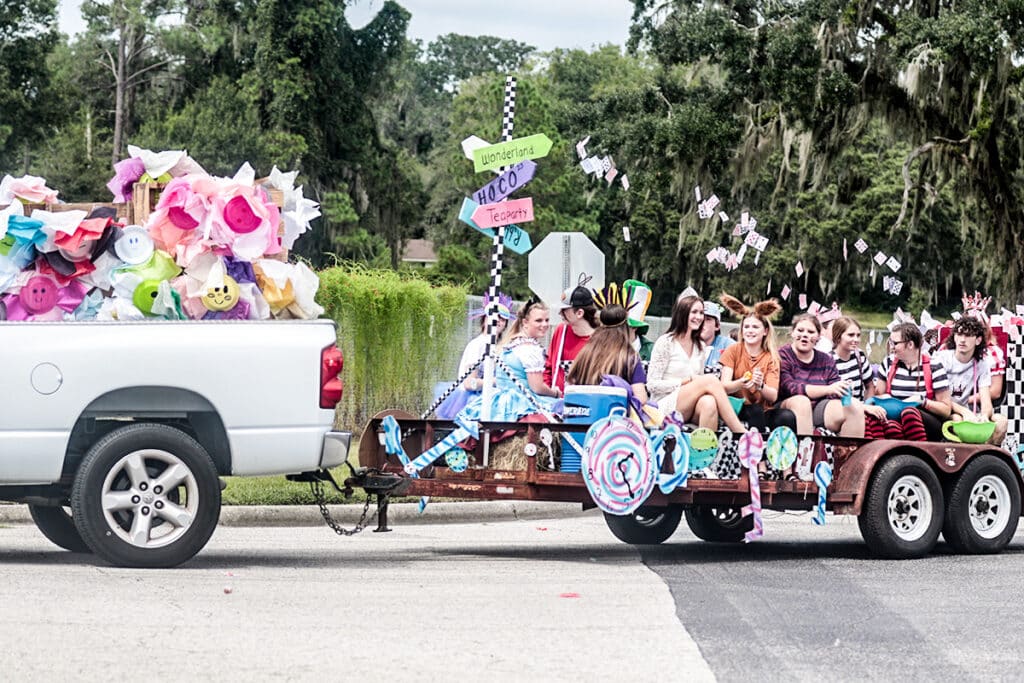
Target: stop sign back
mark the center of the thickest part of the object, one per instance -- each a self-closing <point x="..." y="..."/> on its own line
<point x="557" y="262"/>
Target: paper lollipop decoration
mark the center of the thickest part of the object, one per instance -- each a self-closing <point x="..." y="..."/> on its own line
<point x="703" y="448"/>
<point x="463" y="431"/>
<point x="457" y="460"/>
<point x="804" y="458"/>
<point x="680" y="459"/>
<point x="781" y="448"/>
<point x="822" y="477"/>
<point x="750" y="448"/>
<point x="617" y="466"/>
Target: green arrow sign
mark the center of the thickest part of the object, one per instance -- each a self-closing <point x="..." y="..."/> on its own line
<point x="511" y="152"/>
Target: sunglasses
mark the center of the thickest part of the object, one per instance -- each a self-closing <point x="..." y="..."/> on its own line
<point x="894" y="344"/>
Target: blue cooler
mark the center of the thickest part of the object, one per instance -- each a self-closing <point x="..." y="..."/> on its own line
<point x="584" y="405"/>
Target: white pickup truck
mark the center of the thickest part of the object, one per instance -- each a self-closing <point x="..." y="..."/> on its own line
<point x="129" y="425"/>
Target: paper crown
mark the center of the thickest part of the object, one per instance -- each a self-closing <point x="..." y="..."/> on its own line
<point x="975" y="305"/>
<point x="504" y="307"/>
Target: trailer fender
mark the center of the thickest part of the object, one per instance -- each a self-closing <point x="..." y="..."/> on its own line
<point x="946" y="458"/>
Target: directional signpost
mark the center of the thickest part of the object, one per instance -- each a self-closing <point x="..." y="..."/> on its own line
<point x="505" y="184"/>
<point x="516" y="239"/>
<point x="504" y="213"/>
<point x="511" y="152"/>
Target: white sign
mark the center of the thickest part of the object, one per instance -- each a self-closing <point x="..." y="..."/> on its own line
<point x="557" y="262"/>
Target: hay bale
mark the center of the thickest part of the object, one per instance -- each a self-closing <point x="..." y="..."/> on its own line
<point x="510" y="455"/>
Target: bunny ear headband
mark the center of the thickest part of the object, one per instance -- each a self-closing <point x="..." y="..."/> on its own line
<point x="767" y="309"/>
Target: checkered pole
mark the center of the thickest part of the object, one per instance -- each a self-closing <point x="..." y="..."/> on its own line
<point x="497" y="252"/>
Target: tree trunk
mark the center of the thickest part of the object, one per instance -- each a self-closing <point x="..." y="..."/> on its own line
<point x="125" y="34"/>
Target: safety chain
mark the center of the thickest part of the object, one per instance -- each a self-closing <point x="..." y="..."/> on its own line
<point x="317" y="488"/>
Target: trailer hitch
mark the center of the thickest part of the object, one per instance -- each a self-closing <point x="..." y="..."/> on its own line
<point x="372" y="481"/>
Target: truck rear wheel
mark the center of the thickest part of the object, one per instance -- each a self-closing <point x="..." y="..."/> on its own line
<point x="718" y="524"/>
<point x="902" y="513"/>
<point x="146" y="495"/>
<point x="646" y="526"/>
<point x="57" y="525"/>
<point x="983" y="508"/>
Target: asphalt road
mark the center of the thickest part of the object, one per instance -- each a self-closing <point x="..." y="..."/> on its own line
<point x="514" y="600"/>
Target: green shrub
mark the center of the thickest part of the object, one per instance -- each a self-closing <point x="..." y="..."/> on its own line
<point x="395" y="330"/>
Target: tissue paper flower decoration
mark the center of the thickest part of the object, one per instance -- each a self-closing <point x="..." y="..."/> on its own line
<point x="178" y="214"/>
<point x="29" y="188"/>
<point x="24" y="236"/>
<point x="290" y="288"/>
<point x="244" y="219"/>
<point x="57" y="223"/>
<point x="126" y="173"/>
<point x="9" y="272"/>
<point x="297" y="211"/>
<point x="42" y="298"/>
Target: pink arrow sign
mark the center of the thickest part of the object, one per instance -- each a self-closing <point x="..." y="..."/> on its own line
<point x="507" y="183"/>
<point x="504" y="213"/>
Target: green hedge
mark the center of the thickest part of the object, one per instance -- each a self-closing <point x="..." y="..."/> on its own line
<point x="394" y="329"/>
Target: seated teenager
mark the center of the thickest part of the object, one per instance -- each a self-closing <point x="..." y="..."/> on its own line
<point x="610" y="352"/>
<point x="970" y="376"/>
<point x="810" y="385"/>
<point x="675" y="377"/>
<point x="911" y="375"/>
<point x="853" y="366"/>
<point x="579" y="320"/>
<point x="750" y="369"/>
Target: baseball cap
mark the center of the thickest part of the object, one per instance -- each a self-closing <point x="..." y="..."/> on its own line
<point x="712" y="310"/>
<point x="576" y="297"/>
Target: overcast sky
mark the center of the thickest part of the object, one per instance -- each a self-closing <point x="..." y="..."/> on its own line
<point x="545" y="24"/>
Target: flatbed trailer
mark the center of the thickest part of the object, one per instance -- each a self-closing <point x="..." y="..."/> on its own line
<point x="904" y="493"/>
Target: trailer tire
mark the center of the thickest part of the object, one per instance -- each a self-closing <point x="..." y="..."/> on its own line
<point x="57" y="525"/>
<point x="902" y="513"/>
<point x="646" y="526"/>
<point x="718" y="524"/>
<point x="146" y="495"/>
<point x="983" y="508"/>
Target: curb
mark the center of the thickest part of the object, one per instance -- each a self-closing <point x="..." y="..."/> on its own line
<point x="398" y="513"/>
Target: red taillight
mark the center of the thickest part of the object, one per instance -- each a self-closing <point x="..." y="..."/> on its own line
<point x="331" y="363"/>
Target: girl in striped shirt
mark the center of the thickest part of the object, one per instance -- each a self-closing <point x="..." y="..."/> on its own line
<point x="853" y="366"/>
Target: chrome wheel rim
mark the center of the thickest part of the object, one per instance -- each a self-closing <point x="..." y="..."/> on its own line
<point x="989" y="506"/>
<point x="909" y="507"/>
<point x="150" y="498"/>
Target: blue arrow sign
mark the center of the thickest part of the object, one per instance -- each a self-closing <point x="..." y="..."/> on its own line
<point x="507" y="183"/>
<point x="516" y="239"/>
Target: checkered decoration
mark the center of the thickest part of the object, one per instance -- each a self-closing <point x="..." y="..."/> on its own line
<point x="1013" y="403"/>
<point x="508" y="114"/>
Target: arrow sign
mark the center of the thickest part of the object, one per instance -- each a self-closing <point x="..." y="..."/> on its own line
<point x="504" y="213"/>
<point x="511" y="152"/>
<point x="505" y="184"/>
<point x="516" y="239"/>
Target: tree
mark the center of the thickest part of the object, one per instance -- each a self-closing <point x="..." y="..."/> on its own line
<point x="28" y="33"/>
<point x="128" y="36"/>
<point x="814" y="75"/>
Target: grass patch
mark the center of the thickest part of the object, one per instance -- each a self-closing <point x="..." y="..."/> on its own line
<point x="276" y="490"/>
<point x="869" y="319"/>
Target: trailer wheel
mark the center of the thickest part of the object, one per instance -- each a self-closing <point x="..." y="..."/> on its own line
<point x="57" y="525"/>
<point x="146" y="495"/>
<point x="718" y="525"/>
<point x="646" y="526"/>
<point x="983" y="508"/>
<point x="902" y="513"/>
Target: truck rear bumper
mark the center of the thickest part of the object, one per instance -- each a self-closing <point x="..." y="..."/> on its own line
<point x="335" y="450"/>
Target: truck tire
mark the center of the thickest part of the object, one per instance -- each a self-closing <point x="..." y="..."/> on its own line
<point x="57" y="525"/>
<point x="718" y="524"/>
<point x="902" y="513"/>
<point x="983" y="508"/>
<point x="146" y="495"/>
<point x="646" y="526"/>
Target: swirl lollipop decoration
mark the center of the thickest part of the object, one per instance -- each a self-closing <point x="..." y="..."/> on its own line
<point x="750" y="448"/>
<point x="703" y="448"/>
<point x="781" y="448"/>
<point x="822" y="477"/>
<point x="618" y="467"/>
<point x="680" y="458"/>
